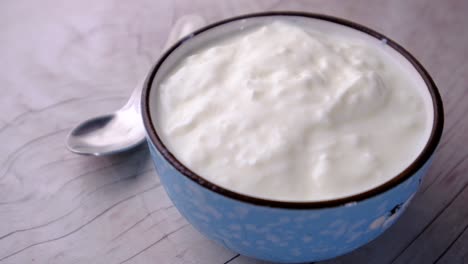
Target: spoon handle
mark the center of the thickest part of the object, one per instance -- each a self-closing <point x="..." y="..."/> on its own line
<point x="182" y="27"/>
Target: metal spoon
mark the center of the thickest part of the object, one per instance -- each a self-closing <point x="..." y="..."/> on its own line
<point x="123" y="129"/>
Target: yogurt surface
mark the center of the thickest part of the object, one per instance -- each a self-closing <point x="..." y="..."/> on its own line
<point x="293" y="113"/>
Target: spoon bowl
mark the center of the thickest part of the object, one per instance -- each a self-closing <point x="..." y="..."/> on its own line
<point x="107" y="134"/>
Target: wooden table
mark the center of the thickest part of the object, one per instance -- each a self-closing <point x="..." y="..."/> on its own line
<point x="64" y="61"/>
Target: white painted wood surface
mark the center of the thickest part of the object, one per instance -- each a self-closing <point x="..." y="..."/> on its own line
<point x="63" y="61"/>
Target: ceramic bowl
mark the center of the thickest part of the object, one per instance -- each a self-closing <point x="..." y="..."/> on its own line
<point x="282" y="231"/>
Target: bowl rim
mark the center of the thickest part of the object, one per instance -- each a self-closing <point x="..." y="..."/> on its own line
<point x="417" y="164"/>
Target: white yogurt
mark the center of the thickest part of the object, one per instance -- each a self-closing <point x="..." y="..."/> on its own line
<point x="286" y="112"/>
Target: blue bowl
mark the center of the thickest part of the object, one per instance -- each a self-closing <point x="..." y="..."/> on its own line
<point x="282" y="231"/>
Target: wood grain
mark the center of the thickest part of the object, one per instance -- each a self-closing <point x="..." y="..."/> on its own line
<point x="66" y="61"/>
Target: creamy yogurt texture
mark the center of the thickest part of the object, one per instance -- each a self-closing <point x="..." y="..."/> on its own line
<point x="285" y="112"/>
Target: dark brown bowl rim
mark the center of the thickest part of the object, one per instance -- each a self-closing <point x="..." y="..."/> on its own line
<point x="405" y="174"/>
